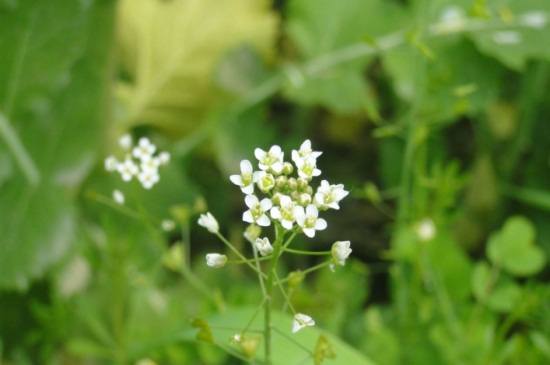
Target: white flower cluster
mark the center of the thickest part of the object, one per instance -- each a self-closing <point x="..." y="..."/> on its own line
<point x="289" y="200"/>
<point x="140" y="161"/>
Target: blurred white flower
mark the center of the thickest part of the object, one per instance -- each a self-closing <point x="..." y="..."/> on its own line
<point x="340" y="251"/>
<point x="507" y="37"/>
<point x="256" y="213"/>
<point x="216" y="260"/>
<point x="167" y="225"/>
<point x="148" y="178"/>
<point x="127" y="169"/>
<point x="111" y="163"/>
<point x="535" y="19"/>
<point x="125" y="142"/>
<point x="263" y="246"/>
<point x="209" y="222"/>
<point x="309" y="220"/>
<point x="118" y="196"/>
<point x="164" y="158"/>
<point x="144" y="148"/>
<point x="252" y="232"/>
<point x="300" y="321"/>
<point x="425" y="229"/>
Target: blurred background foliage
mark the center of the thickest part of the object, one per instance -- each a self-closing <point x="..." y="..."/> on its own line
<point x="427" y="110"/>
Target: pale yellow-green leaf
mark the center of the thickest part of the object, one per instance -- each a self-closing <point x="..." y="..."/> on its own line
<point x="171" y="49"/>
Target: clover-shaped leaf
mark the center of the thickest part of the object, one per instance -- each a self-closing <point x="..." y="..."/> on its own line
<point x="513" y="248"/>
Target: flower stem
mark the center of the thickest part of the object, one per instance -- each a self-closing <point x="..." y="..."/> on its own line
<point x="277" y="251"/>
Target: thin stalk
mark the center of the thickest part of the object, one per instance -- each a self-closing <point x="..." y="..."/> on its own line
<point x="239" y="254"/>
<point x="310" y="253"/>
<point x="277" y="250"/>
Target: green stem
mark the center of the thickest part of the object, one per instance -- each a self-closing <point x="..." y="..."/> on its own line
<point x="240" y="255"/>
<point x="277" y="251"/>
<point x="18" y="151"/>
<point x="310" y="253"/>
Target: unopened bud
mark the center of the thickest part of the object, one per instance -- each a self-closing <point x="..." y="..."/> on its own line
<point x="304" y="200"/>
<point x="292" y="184"/>
<point x="287" y="168"/>
<point x="302" y="183"/>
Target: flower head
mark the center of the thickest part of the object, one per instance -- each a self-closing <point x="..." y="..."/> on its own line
<point x="167" y="225"/>
<point x="246" y="179"/>
<point x="265" y="181"/>
<point x="144" y="148"/>
<point x="263" y="246"/>
<point x="286" y="211"/>
<point x="309" y="220"/>
<point x="272" y="160"/>
<point x="425" y="230"/>
<point x="127" y="169"/>
<point x="148" y="178"/>
<point x="340" y="252"/>
<point x="328" y="196"/>
<point x="209" y="222"/>
<point x="305" y="151"/>
<point x="307" y="167"/>
<point x="256" y="212"/>
<point x="111" y="163"/>
<point x="300" y="321"/>
<point x="216" y="260"/>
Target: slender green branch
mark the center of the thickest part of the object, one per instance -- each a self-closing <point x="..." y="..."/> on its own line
<point x="92" y="195"/>
<point x="309" y="253"/>
<point x="239" y="254"/>
<point x="18" y="151"/>
<point x="284" y="293"/>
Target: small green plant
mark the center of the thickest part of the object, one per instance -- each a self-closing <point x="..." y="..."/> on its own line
<point x="292" y="207"/>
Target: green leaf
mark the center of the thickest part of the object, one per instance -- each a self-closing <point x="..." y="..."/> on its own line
<point x="316" y="27"/>
<point x="513" y="248"/>
<point x="52" y="89"/>
<point x="171" y="51"/>
<point x="521" y="36"/>
<point x="285" y="351"/>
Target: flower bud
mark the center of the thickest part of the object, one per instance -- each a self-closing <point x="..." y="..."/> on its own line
<point x="216" y="260"/>
<point x="263" y="246"/>
<point x="252" y="232"/>
<point x="340" y="252"/>
<point x="292" y="184"/>
<point x="280" y="182"/>
<point x="287" y="168"/>
<point x="302" y="183"/>
<point x="209" y="222"/>
<point x="304" y="200"/>
<point x="300" y="321"/>
<point x="266" y="182"/>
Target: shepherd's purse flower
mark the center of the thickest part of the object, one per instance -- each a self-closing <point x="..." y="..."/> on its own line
<point x="209" y="222"/>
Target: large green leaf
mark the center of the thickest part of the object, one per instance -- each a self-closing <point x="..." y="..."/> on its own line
<point x="287" y="349"/>
<point x="52" y="99"/>
<point x="171" y="51"/>
<point x="322" y="28"/>
<point x="526" y="29"/>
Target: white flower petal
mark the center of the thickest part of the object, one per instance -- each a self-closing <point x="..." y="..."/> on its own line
<point x="247" y="217"/>
<point x="250" y="200"/>
<point x="263" y="221"/>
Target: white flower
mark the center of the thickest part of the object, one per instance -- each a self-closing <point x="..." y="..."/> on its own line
<point x="265" y="182"/>
<point x="144" y="149"/>
<point x="340" y="251"/>
<point x="328" y="196"/>
<point x="263" y="246"/>
<point x="167" y="225"/>
<point x="164" y="158"/>
<point x="209" y="222"/>
<point x="150" y="163"/>
<point x="286" y="212"/>
<point x="425" y="229"/>
<point x="309" y="221"/>
<point x="246" y="179"/>
<point x="507" y="37"/>
<point x="307" y="167"/>
<point x="270" y="161"/>
<point x="125" y="142"/>
<point x="148" y="178"/>
<point x="118" y="196"/>
<point x="127" y="169"/>
<point x="236" y="338"/>
<point x="534" y="19"/>
<point x="300" y="321"/>
<point x="216" y="260"/>
<point x="305" y="152"/>
<point x="111" y="163"/>
<point x="256" y="213"/>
